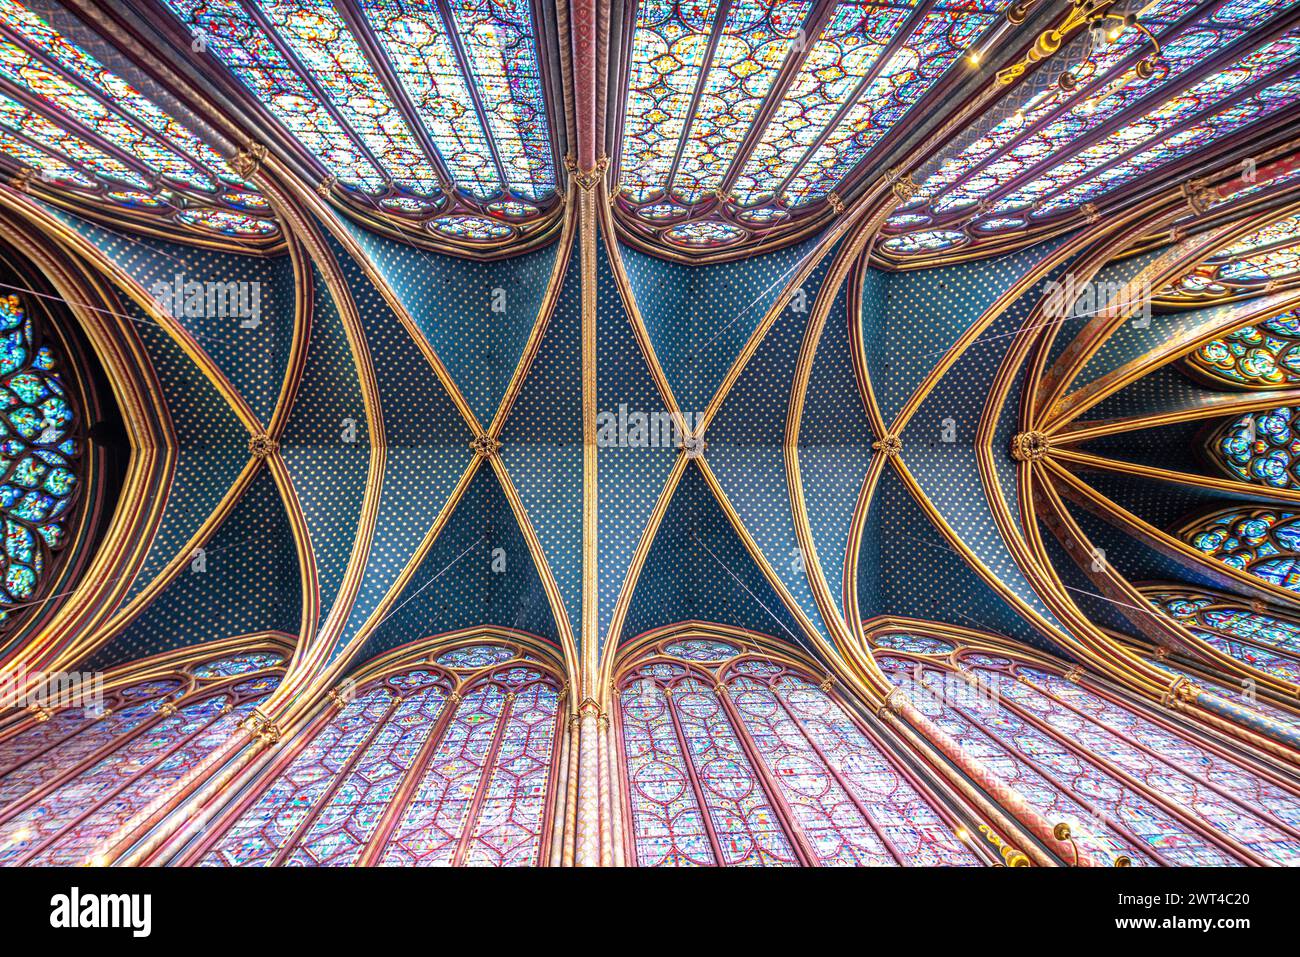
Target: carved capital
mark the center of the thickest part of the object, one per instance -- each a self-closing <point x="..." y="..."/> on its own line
<point x="904" y="187"/>
<point x="1198" y="194"/>
<point x="586" y="179"/>
<point x="892" y="703"/>
<point x="261" y="727"/>
<point x="834" y="201"/>
<point x="40" y="713"/>
<point x="247" y="161"/>
<point x="326" y="186"/>
<point x="1179" y="693"/>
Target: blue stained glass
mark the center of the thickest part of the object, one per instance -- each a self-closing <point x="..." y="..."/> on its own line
<point x="38" y="458"/>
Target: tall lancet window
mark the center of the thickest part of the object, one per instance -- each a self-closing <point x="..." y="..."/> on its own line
<point x="742" y="757"/>
<point x="39" y="460"/>
<point x="1129" y="782"/>
<point x="1256" y="263"/>
<point x="1260" y="541"/>
<point x="429" y="114"/>
<point x="81" y="772"/>
<point x="1134" y="98"/>
<point x="435" y="759"/>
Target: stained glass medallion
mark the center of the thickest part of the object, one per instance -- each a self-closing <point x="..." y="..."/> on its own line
<point x="1260" y="448"/>
<point x="743" y="759"/>
<point x="1259" y="356"/>
<point x="40" y="451"/>
<point x="1262" y="261"/>
<point x="1261" y="542"/>
<point x="1252" y="636"/>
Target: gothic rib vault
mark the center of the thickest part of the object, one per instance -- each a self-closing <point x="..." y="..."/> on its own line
<point x="930" y="401"/>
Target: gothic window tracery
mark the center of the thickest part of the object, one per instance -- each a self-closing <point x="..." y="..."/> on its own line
<point x="1255" y="638"/>
<point x="1259" y="541"/>
<point x="74" y="127"/>
<point x="1125" y="781"/>
<point x="1121" y="112"/>
<point x="741" y="116"/>
<point x="40" y="451"/>
<point x="442" y="759"/>
<point x="86" y="769"/>
<point x="430" y="114"/>
<point x="1259" y="356"/>
<point x="740" y="757"/>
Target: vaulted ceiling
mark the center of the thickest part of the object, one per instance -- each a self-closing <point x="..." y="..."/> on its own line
<point x="586" y="321"/>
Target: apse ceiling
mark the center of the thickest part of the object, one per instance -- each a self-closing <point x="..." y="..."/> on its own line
<point x="754" y="317"/>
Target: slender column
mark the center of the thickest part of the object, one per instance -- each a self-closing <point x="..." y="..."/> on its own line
<point x="571" y="799"/>
<point x="560" y="796"/>
<point x="616" y="798"/>
<point x="606" y="802"/>
<point x="1002" y="792"/>
<point x="587" y="852"/>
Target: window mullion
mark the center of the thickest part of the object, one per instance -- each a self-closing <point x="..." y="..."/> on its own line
<point x="839" y="778"/>
<point x="305" y="824"/>
<point x="705" y="815"/>
<point x="798" y="840"/>
<point x="374" y="849"/>
<point x="484" y="781"/>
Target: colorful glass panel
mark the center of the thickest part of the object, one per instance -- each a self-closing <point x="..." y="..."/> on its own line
<point x="1252" y="637"/>
<point x="81" y="126"/>
<point x="40" y="470"/>
<point x="1224" y="795"/>
<point x="468" y="765"/>
<point x="70" y="801"/>
<point x="746" y="771"/>
<point x="1264" y="258"/>
<point x="1107" y="816"/>
<point x="1262" y="542"/>
<point x="392" y="94"/>
<point x="1130" y="122"/>
<point x="1260" y="447"/>
<point x="1262" y="356"/>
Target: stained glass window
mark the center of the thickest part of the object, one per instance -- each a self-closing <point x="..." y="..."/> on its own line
<point x="1260" y="447"/>
<point x="1119" y="114"/>
<point x="1259" y="541"/>
<point x="1254" y="638"/>
<point x="417" y="108"/>
<point x="74" y="785"/>
<point x="449" y="763"/>
<point x="1262" y="356"/>
<point x="1127" y="784"/>
<point x="1259" y="262"/>
<point x="39" y="458"/>
<point x="739" y="115"/>
<point x="740" y="758"/>
<point x="71" y="124"/>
